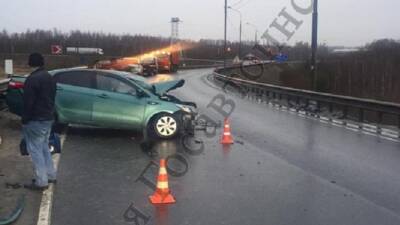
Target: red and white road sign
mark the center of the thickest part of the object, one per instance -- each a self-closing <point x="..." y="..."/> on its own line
<point x="56" y="50"/>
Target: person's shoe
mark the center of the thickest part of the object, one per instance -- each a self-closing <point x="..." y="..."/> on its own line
<point x="32" y="186"/>
<point x="50" y="181"/>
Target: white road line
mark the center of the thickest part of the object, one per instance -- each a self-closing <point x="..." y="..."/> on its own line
<point x="44" y="217"/>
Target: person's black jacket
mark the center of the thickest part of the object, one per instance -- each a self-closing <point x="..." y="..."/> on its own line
<point x="39" y="95"/>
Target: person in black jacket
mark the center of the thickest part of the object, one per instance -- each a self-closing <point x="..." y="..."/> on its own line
<point x="37" y="120"/>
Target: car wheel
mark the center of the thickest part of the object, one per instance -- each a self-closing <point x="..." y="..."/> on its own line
<point x="165" y="126"/>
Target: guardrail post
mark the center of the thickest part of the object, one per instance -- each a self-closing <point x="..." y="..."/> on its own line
<point x="379" y="123"/>
<point x="297" y="104"/>
<point x="330" y="106"/>
<point x="307" y="106"/>
<point x="360" y="118"/>
<point x="345" y="111"/>
<point x="398" y="125"/>
<point x="266" y="97"/>
<point x="280" y="99"/>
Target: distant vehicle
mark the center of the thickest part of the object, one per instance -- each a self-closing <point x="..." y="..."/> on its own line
<point x="120" y="64"/>
<point x="251" y="59"/>
<point x="85" y="51"/>
<point x="152" y="63"/>
<point x="113" y="99"/>
<point x="281" y="58"/>
<point x="149" y="67"/>
<point x="167" y="61"/>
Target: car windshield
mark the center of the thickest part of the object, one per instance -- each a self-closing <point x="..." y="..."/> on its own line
<point x="141" y="82"/>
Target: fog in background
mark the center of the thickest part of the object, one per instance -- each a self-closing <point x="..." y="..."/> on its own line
<point x="342" y="22"/>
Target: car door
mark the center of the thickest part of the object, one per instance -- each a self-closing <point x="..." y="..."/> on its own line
<point x="117" y="105"/>
<point x="75" y="96"/>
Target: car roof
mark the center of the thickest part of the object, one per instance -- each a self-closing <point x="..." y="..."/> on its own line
<point x="113" y="72"/>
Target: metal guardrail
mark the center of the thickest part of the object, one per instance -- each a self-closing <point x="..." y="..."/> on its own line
<point x="3" y="89"/>
<point x="312" y="102"/>
<point x="190" y="67"/>
<point x="4" y="85"/>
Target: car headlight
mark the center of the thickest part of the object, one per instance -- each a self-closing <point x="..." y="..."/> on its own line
<point x="184" y="108"/>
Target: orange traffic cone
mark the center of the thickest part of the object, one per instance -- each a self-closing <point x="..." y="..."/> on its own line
<point x="227" y="136"/>
<point x="162" y="194"/>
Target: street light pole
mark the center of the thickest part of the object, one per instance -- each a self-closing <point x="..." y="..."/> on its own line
<point x="240" y="37"/>
<point x="256" y="34"/>
<point x="314" y="43"/>
<point x="225" y="28"/>
<point x="240" y="30"/>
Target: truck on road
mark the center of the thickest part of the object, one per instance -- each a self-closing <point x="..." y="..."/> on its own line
<point x="148" y="64"/>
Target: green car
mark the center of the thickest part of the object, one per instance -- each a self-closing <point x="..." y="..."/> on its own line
<point x="113" y="99"/>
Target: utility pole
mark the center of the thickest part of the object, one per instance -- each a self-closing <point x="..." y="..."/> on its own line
<point x="240" y="38"/>
<point x="226" y="19"/>
<point x="240" y="30"/>
<point x="256" y="33"/>
<point x="314" y="44"/>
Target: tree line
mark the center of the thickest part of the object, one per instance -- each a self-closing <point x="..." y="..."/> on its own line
<point x="130" y="45"/>
<point x="127" y="45"/>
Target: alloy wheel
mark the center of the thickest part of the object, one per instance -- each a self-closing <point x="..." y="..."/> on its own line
<point x="166" y="126"/>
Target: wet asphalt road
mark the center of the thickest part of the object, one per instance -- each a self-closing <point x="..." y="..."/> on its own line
<point x="283" y="169"/>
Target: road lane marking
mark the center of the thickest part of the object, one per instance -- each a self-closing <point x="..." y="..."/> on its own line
<point x="46" y="203"/>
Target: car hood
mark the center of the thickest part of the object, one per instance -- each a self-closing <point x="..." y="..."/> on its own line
<point x="164" y="87"/>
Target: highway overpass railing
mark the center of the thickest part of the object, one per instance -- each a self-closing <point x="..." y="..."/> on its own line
<point x="382" y="118"/>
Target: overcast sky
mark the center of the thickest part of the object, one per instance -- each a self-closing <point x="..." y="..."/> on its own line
<point x="342" y="22"/>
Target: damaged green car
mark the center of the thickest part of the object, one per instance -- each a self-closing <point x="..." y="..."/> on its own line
<point x="113" y="99"/>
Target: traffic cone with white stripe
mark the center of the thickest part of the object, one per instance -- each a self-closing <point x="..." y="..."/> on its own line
<point x="162" y="195"/>
<point x="227" y="136"/>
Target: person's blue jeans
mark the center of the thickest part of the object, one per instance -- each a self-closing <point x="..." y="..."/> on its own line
<point x="36" y="134"/>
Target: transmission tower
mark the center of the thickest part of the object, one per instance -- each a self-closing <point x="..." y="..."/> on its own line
<point x="175" y="29"/>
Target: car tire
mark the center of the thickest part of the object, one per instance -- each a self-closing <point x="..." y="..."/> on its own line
<point x="165" y="126"/>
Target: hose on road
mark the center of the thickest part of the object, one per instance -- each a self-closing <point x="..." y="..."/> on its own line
<point x="16" y="212"/>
